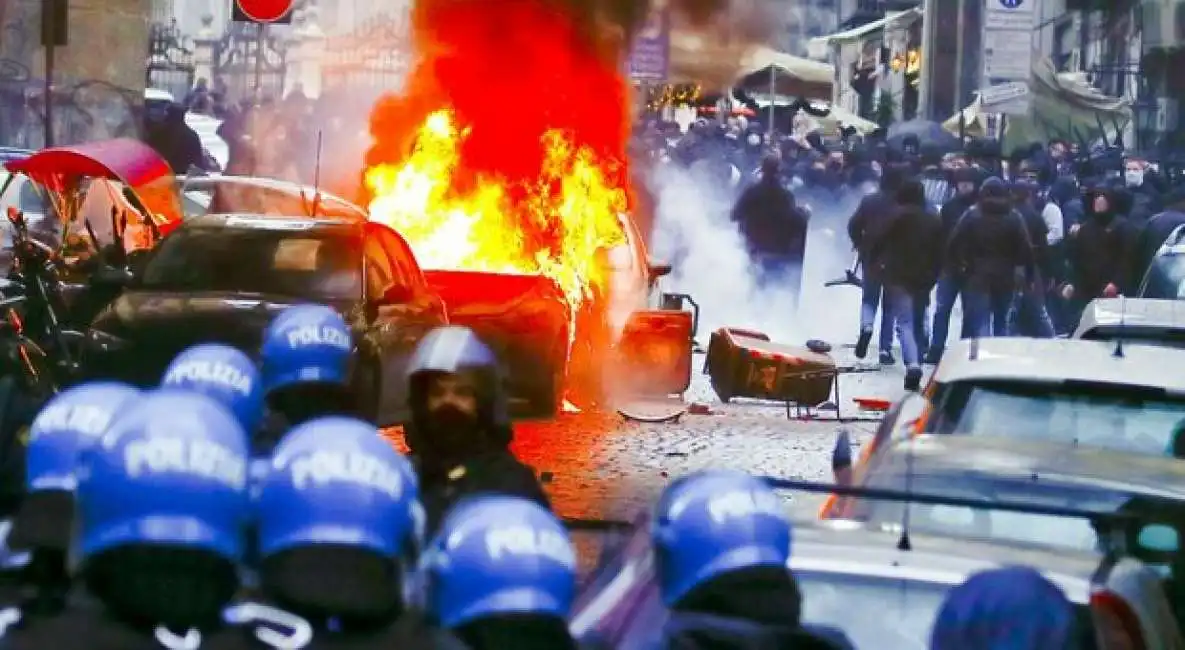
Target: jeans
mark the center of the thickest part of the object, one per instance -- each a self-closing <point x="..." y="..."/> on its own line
<point x="945" y="294"/>
<point x="1028" y="316"/>
<point x="921" y="322"/>
<point x="869" y="301"/>
<point x="901" y="304"/>
<point x="986" y="309"/>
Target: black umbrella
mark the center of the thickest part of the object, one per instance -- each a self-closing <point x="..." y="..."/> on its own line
<point x="929" y="134"/>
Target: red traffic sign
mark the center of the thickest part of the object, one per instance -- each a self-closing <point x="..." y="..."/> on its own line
<point x="265" y="11"/>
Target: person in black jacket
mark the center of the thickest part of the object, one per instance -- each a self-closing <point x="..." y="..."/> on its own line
<point x="773" y="226"/>
<point x="1029" y="316"/>
<point x="1100" y="251"/>
<point x="866" y="228"/>
<point x="459" y="434"/>
<point x="907" y="261"/>
<point x="989" y="245"/>
<point x="1154" y="233"/>
<point x="949" y="287"/>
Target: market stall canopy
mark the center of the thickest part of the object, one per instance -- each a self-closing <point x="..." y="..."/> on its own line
<point x="1062" y="105"/>
<point x="790" y="75"/>
<point x="893" y="20"/>
<point x="714" y="63"/>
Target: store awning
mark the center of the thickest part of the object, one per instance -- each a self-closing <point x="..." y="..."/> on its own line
<point x="893" y="20"/>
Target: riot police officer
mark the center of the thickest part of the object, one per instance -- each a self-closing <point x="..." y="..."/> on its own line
<point x="459" y="434"/>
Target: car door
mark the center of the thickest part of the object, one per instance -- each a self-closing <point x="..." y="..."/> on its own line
<point x="399" y="323"/>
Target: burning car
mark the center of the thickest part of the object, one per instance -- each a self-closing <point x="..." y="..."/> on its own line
<point x="553" y="275"/>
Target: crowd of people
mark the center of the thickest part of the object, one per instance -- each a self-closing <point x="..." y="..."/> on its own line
<point x="1024" y="241"/>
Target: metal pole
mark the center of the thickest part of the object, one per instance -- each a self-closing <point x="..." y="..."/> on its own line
<point x="773" y="94"/>
<point x="49" y="8"/>
<point x="260" y="38"/>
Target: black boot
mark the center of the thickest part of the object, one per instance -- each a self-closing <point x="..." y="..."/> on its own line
<point x="887" y="358"/>
<point x="862" y="343"/>
<point x="913" y="379"/>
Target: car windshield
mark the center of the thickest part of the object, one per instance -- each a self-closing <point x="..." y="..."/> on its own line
<point x="1123" y="418"/>
<point x="1161" y="336"/>
<point x="1028" y="528"/>
<point x="1165" y="278"/>
<point x="289" y="263"/>
<point x="889" y="613"/>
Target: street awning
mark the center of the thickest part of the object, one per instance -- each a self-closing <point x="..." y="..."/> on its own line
<point x="1063" y="105"/>
<point x="892" y="20"/>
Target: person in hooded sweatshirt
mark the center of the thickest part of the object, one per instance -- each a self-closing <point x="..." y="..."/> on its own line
<point x="773" y="227"/>
<point x="459" y="435"/>
<point x="501" y="573"/>
<point x="721" y="546"/>
<point x="866" y="228"/>
<point x="908" y="262"/>
<point x="991" y="247"/>
<point x="1099" y="252"/>
<point x="949" y="285"/>
<point x="35" y="567"/>
<point x="340" y="528"/>
<point x="161" y="505"/>
<point x="1010" y="608"/>
<point x="304" y="364"/>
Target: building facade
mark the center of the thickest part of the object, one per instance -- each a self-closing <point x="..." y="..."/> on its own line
<point x="95" y="97"/>
<point x="802" y="20"/>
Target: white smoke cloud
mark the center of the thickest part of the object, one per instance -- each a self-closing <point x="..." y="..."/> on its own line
<point x="693" y="232"/>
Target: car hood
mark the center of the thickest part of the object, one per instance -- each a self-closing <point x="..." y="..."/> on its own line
<point x="203" y="315"/>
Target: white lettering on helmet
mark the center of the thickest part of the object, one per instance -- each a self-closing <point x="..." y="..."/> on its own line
<point x="320" y="335"/>
<point x="87" y="419"/>
<point x="524" y="541"/>
<point x="350" y="467"/>
<point x="200" y="458"/>
<point x="210" y="372"/>
<point x="734" y="505"/>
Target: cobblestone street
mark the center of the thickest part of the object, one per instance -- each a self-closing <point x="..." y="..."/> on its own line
<point x="603" y="466"/>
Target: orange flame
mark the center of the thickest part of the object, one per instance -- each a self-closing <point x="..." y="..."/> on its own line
<point x="481" y="228"/>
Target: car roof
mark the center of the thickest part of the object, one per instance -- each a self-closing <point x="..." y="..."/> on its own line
<point x="846" y="546"/>
<point x="1135" y="313"/>
<point x="1037" y="462"/>
<point x="1058" y="360"/>
<point x="272" y="222"/>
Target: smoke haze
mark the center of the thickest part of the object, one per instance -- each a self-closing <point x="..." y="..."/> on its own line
<point x="693" y="232"/>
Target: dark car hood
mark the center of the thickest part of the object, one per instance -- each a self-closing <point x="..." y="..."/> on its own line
<point x="195" y="317"/>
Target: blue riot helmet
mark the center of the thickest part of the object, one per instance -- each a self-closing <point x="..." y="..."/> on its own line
<point x="223" y="373"/>
<point x="1011" y="607"/>
<point x="306" y="344"/>
<point x="162" y="505"/>
<point x="69" y="423"/>
<point x="714" y="523"/>
<point x="306" y="364"/>
<point x="498" y="556"/>
<point x="455" y="394"/>
<point x="338" y="516"/>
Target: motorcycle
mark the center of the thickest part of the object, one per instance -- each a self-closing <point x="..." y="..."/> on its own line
<point x="35" y="277"/>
